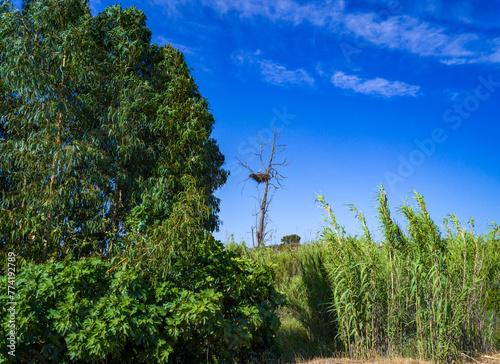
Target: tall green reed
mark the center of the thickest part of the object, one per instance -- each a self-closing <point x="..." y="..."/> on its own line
<point x="417" y="293"/>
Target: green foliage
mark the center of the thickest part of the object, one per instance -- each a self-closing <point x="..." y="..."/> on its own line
<point x="95" y="122"/>
<point x="219" y="307"/>
<point x="106" y="151"/>
<point x="308" y="330"/>
<point x="291" y="239"/>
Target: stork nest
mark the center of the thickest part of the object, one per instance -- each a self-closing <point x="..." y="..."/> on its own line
<point x="260" y="177"/>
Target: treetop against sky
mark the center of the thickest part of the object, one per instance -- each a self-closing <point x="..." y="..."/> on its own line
<point x="403" y="93"/>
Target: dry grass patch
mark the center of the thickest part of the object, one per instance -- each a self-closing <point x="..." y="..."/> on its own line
<point x="371" y="361"/>
<point x="485" y="359"/>
<point x="490" y="359"/>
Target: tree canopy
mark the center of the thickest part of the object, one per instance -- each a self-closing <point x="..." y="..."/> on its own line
<point x="291" y="239"/>
<point x="96" y="124"/>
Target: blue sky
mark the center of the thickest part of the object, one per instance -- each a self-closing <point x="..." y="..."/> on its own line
<point x="403" y="93"/>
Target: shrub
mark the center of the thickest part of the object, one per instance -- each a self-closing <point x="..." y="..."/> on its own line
<point x="218" y="308"/>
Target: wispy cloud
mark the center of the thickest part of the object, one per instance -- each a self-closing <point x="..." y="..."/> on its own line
<point x="317" y="13"/>
<point x="171" y="7"/>
<point x="422" y="38"/>
<point x="411" y="34"/>
<point x="377" y="86"/>
<point x="274" y="72"/>
<point x="494" y="55"/>
<point x="398" y="32"/>
<point x="492" y="58"/>
<point x="278" y="74"/>
<point x="401" y="32"/>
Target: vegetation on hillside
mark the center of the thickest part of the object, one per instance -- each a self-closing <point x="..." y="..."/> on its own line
<point x="291" y="239"/>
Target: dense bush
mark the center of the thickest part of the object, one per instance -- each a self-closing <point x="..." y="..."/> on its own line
<point x="218" y="308"/>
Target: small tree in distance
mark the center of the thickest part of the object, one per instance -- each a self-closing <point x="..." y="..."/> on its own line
<point x="270" y="177"/>
<point x="291" y="239"/>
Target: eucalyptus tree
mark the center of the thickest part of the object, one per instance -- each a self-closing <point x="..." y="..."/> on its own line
<point x="95" y="121"/>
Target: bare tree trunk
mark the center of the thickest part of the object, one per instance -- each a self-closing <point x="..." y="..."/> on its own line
<point x="270" y="176"/>
<point x="253" y="239"/>
<point x="260" y="231"/>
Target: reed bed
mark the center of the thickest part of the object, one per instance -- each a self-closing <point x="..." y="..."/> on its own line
<point x="418" y="293"/>
<point x="423" y="292"/>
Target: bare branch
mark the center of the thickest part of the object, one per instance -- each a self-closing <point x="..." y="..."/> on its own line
<point x="270" y="178"/>
<point x="245" y="180"/>
<point x="244" y="165"/>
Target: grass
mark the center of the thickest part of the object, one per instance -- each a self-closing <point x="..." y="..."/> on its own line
<point x="379" y="360"/>
<point x="419" y="293"/>
<point x="484" y="359"/>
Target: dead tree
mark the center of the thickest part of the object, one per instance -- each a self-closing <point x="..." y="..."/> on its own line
<point x="269" y="176"/>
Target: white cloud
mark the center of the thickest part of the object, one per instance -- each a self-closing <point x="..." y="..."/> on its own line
<point x="171" y="7"/>
<point x="411" y="34"/>
<point x="319" y="14"/>
<point x="491" y="58"/>
<point x="377" y="86"/>
<point x="422" y="38"/>
<point x="273" y="72"/>
<point x="278" y="74"/>
<point x="494" y="55"/>
<point x="398" y="32"/>
<point x="246" y="56"/>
